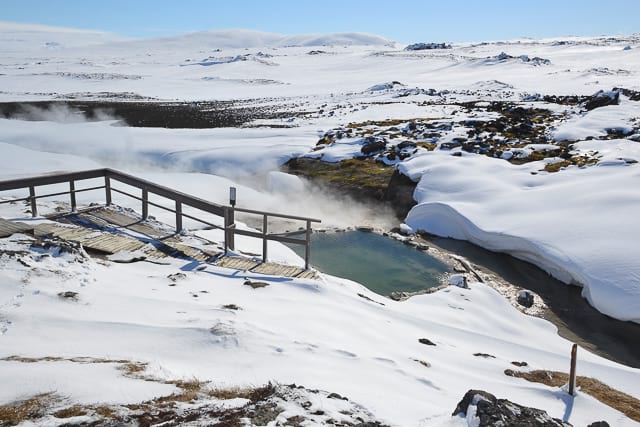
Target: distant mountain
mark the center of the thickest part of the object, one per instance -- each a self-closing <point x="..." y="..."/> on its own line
<point x="16" y="37"/>
<point x="238" y="39"/>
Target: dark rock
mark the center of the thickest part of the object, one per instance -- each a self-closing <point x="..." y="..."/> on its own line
<point x="599" y="424"/>
<point x="427" y="46"/>
<point x="426" y="341"/>
<point x="336" y="396"/>
<point x="520" y="363"/>
<point x="485" y="355"/>
<point x="602" y="99"/>
<point x="69" y="295"/>
<point x="493" y="412"/>
<point x="400" y="193"/>
<point x="525" y="298"/>
<point x="255" y="285"/>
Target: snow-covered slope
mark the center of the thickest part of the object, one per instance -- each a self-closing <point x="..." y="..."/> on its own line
<point x="320" y="334"/>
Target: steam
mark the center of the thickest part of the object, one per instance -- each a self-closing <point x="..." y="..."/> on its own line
<point x="190" y="160"/>
<point x="334" y="209"/>
<point x="61" y="113"/>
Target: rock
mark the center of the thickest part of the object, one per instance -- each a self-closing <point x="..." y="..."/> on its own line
<point x="459" y="280"/>
<point x="487" y="411"/>
<point x="255" y="285"/>
<point x="599" y="424"/>
<point x="427" y="46"/>
<point x="399" y="194"/>
<point x="516" y="363"/>
<point x="176" y="276"/>
<point x="525" y="298"/>
<point x="373" y="145"/>
<point x="69" y="295"/>
<point x="365" y="228"/>
<point x="426" y="341"/>
<point x="336" y="396"/>
<point x="485" y="355"/>
<point x="602" y="99"/>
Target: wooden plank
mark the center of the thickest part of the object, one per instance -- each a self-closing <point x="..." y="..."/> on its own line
<point x="7" y="228"/>
<point x="129" y="222"/>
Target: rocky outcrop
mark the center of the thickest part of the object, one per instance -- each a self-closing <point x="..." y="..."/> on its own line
<point x="488" y="411"/>
<point x="427" y="46"/>
<point x="399" y="194"/>
<point x="363" y="179"/>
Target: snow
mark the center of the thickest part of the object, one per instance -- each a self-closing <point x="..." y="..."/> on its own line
<point x="535" y="219"/>
<point x="596" y="123"/>
<point x="578" y="224"/>
<point x="186" y="337"/>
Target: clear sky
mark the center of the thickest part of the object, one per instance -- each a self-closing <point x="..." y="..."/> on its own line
<point x="399" y="20"/>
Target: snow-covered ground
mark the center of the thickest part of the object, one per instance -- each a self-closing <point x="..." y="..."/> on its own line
<point x="577" y="223"/>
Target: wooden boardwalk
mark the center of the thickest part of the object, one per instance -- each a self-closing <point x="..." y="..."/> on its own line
<point x="7" y="228"/>
<point x="112" y="231"/>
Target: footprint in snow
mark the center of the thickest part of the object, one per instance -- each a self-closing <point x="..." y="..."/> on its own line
<point x="346" y="353"/>
<point x="385" y="360"/>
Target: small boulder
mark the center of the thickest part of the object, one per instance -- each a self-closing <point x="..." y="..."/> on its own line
<point x="372" y="145"/>
<point x="488" y="411"/>
<point x="602" y="99"/>
<point x="525" y="298"/>
<point x="459" y="280"/>
<point x="406" y="229"/>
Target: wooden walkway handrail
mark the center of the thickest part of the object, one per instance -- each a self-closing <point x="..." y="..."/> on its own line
<point x="180" y="199"/>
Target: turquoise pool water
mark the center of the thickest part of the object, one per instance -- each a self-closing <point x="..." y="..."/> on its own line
<point x="380" y="263"/>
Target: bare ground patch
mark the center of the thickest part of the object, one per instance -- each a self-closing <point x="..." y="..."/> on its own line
<point x="628" y="405"/>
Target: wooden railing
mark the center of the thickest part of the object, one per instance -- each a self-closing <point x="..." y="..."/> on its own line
<point x="147" y="187"/>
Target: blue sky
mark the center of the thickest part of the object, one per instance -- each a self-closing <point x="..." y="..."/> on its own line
<point x="400" y="20"/>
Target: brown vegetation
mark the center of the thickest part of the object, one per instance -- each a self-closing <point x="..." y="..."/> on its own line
<point x="628" y="405"/>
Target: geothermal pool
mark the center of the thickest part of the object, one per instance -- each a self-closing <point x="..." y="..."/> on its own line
<point x="382" y="264"/>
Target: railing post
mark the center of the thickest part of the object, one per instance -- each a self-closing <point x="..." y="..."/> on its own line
<point x="226" y="230"/>
<point x="307" y="250"/>
<point x="72" y="194"/>
<point x="231" y="225"/>
<point x="178" y="216"/>
<point x="32" y="199"/>
<point x="145" y="203"/>
<point x="572" y="372"/>
<point x="107" y="189"/>
<point x="264" y="238"/>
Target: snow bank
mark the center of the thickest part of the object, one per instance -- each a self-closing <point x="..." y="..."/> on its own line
<point x="577" y="224"/>
<point x="598" y="122"/>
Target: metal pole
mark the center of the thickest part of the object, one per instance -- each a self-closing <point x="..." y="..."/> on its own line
<point x="264" y="238"/>
<point x="178" y="216"/>
<point x="145" y="203"/>
<point x="32" y="199"/>
<point x="72" y="194"/>
<point x="572" y="372"/>
<point x="307" y="250"/>
<point x="107" y="189"/>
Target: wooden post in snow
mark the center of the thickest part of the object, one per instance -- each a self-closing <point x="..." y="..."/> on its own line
<point x="572" y="372"/>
